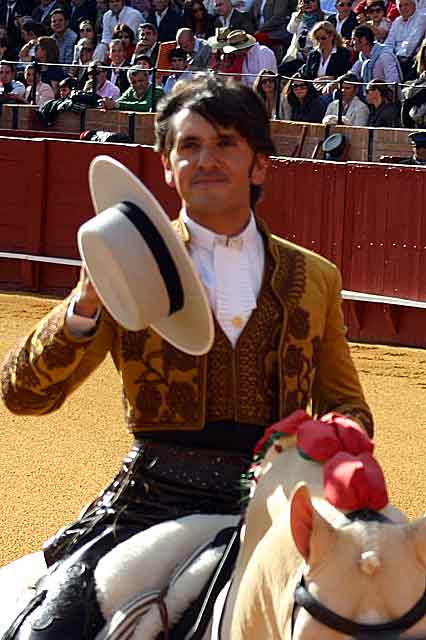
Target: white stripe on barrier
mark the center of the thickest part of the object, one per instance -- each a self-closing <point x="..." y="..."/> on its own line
<point x="26" y="256"/>
<point x="356" y="296"/>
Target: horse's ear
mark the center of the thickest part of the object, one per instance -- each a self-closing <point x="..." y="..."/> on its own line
<point x="301" y="518"/>
<point x="304" y="520"/>
<point x="417" y="533"/>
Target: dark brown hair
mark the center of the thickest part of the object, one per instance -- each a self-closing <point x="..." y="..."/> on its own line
<point x="222" y="102"/>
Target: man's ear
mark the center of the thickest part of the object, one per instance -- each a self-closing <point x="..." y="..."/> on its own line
<point x="168" y="172"/>
<point x="259" y="168"/>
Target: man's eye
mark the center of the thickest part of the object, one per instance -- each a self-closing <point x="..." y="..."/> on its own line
<point x="226" y="142"/>
<point x="189" y="145"/>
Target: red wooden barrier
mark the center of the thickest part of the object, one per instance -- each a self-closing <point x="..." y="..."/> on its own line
<point x="22" y="206"/>
<point x="68" y="202"/>
<point x="385" y="231"/>
<point x="304" y="202"/>
<point x="368" y="219"/>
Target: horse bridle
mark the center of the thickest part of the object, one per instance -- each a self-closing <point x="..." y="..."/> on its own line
<point x="303" y="598"/>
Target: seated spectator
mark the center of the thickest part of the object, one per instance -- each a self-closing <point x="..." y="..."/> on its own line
<point x="81" y="11"/>
<point x="140" y="96"/>
<point x="301" y="24"/>
<point x="329" y="60"/>
<point x="375" y="60"/>
<point x="44" y="10"/>
<point x="85" y="51"/>
<point x="391" y="10"/>
<point x="37" y="92"/>
<point x="300" y="102"/>
<point x="228" y="16"/>
<point x="119" y="13"/>
<point x="199" y="52"/>
<point x="31" y="30"/>
<point x="11" y="90"/>
<point x="384" y="112"/>
<point x="63" y="36"/>
<point x="166" y="19"/>
<point x="144" y="61"/>
<point x="266" y="86"/>
<point x="254" y="56"/>
<point x="147" y="43"/>
<point x="45" y="51"/>
<point x="361" y="16"/>
<point x="66" y="87"/>
<point x="354" y="111"/>
<point x="104" y="88"/>
<point x="117" y="71"/>
<point x="377" y="20"/>
<point x="414" y="96"/>
<point x="87" y="31"/>
<point x="406" y="35"/>
<point x="125" y="34"/>
<point x="269" y="20"/>
<point x="178" y="63"/>
<point x="6" y="52"/>
<point x="197" y="18"/>
<point x="344" y="20"/>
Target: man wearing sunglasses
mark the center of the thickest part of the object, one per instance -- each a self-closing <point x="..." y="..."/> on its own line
<point x="344" y="19"/>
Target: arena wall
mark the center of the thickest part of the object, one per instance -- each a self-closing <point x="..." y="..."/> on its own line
<point x="366" y="218"/>
<point x="365" y="144"/>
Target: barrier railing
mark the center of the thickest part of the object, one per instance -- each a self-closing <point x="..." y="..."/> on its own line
<point x="330" y="87"/>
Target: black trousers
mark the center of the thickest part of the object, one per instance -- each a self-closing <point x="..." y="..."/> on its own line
<point x="158" y="481"/>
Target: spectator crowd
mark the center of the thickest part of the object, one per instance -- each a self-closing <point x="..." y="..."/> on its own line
<point x="359" y="62"/>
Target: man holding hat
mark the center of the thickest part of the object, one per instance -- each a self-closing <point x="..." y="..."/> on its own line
<point x="255" y="56"/>
<point x="279" y="338"/>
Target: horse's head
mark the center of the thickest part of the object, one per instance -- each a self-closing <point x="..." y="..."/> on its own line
<point x="367" y="572"/>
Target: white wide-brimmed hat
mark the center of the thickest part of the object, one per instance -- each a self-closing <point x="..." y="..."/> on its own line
<point x="138" y="264"/>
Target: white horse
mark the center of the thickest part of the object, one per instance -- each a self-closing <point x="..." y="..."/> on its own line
<point x="350" y="572"/>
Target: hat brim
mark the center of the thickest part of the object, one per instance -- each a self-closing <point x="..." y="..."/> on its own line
<point x="191" y="329"/>
<point x="231" y="48"/>
<point x="216" y="44"/>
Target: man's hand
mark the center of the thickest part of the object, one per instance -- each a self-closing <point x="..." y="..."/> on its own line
<point x="89" y="301"/>
<point x="108" y="103"/>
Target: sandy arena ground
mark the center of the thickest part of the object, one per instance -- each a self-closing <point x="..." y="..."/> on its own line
<point x="52" y="465"/>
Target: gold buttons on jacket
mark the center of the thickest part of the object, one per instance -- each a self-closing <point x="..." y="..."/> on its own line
<point x="237" y="322"/>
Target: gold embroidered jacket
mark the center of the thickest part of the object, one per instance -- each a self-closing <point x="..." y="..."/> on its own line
<point x="291" y="354"/>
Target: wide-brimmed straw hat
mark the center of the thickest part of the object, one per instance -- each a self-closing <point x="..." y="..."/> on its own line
<point x="138" y="264"/>
<point x="218" y="41"/>
<point x="237" y="40"/>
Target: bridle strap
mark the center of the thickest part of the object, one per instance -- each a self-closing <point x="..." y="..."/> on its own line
<point x="325" y="616"/>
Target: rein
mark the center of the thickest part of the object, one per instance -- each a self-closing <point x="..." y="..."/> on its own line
<point x="303" y="598"/>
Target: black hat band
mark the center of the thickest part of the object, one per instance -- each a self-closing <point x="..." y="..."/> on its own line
<point x="160" y="252"/>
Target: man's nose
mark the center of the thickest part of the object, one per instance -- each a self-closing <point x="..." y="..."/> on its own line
<point x="208" y="156"/>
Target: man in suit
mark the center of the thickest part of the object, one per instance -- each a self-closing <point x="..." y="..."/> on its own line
<point x="44" y="11"/>
<point x="166" y="19"/>
<point x="232" y="18"/>
<point x="279" y="346"/>
<point x="82" y="10"/>
<point x="344" y="20"/>
<point x="270" y="20"/>
<point x="199" y="52"/>
<point x="10" y="10"/>
<point x="148" y="43"/>
<point x="117" y="72"/>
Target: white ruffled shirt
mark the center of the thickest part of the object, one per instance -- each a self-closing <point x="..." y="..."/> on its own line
<point x="230" y="268"/>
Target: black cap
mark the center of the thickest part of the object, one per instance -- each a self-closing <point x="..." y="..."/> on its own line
<point x="418" y="139"/>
